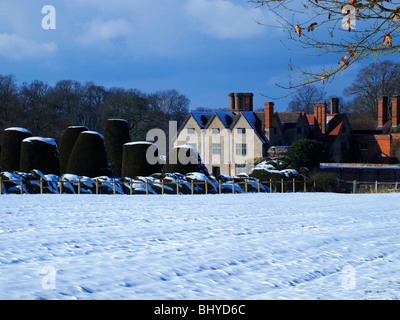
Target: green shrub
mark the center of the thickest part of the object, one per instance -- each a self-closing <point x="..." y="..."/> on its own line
<point x="40" y="154"/>
<point x="89" y="157"/>
<point x="67" y="143"/>
<point x="116" y="134"/>
<point x="184" y="159"/>
<point x="305" y="153"/>
<point x="135" y="162"/>
<point x="11" y="148"/>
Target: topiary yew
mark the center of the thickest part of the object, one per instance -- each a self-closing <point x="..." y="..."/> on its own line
<point x="67" y="143"/>
<point x="11" y="148"/>
<point x="116" y="134"/>
<point x="135" y="161"/>
<point x="89" y="157"/>
<point x="40" y="154"/>
<point x="184" y="159"/>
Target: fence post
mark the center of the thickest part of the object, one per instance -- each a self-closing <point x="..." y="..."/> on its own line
<point x="22" y="185"/>
<point x="294" y="186"/>
<point x="97" y="186"/>
<point x="162" y="186"/>
<point x="206" y="187"/>
<point x="41" y="185"/>
<point x="282" y="185"/>
<point x="258" y="185"/>
<point x="270" y="185"/>
<point x="191" y="186"/>
<point x="245" y="185"/>
<point x="130" y="186"/>
<point x="220" y="186"/>
<point x="376" y="186"/>
<point x="147" y="187"/>
<point x="354" y="186"/>
<point x="177" y="186"/>
<point x="233" y="185"/>
<point x="79" y="186"/>
<point x="60" y="185"/>
<point x="305" y="185"/>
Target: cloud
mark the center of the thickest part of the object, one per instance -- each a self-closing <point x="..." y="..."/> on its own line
<point x="100" y="31"/>
<point x="17" y="47"/>
<point x="224" y="19"/>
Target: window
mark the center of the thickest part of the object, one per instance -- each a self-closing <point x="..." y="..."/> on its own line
<point x="191" y="130"/>
<point x="216" y="148"/>
<point x="241" y="130"/>
<point x="215" y="130"/>
<point x="239" y="168"/>
<point x="241" y="149"/>
<point x="363" y="146"/>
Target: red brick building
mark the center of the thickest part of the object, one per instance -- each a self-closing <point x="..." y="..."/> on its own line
<point x="378" y="141"/>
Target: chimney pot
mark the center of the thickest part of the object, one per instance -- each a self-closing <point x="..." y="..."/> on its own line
<point x="231" y="101"/>
<point x="382" y="110"/>
<point x="334" y="105"/>
<point x="395" y="111"/>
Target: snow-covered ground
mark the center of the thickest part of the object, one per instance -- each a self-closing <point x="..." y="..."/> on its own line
<point x="243" y="246"/>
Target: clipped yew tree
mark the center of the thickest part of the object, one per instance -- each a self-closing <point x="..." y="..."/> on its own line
<point x="67" y="143"/>
<point x="89" y="157"/>
<point x="140" y="159"/>
<point x="40" y="154"/>
<point x="116" y="134"/>
<point x="184" y="159"/>
<point x="11" y="148"/>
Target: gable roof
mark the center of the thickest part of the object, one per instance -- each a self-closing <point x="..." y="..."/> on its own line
<point x="201" y="118"/>
<point x="254" y="121"/>
<point x="289" y="117"/>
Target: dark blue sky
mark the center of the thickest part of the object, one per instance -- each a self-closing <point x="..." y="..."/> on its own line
<point x="202" y="48"/>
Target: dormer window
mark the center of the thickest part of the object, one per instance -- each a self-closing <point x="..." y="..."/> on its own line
<point x="215" y="130"/>
<point x="241" y="130"/>
<point x="191" y="130"/>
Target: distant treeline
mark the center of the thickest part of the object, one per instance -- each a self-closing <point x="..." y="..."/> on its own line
<point x="47" y="110"/>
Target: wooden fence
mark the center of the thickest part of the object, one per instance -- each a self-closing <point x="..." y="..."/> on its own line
<point x="238" y="186"/>
<point x="198" y="187"/>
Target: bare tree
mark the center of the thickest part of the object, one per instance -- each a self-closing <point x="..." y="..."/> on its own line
<point x="377" y="79"/>
<point x="304" y="99"/>
<point x="349" y="31"/>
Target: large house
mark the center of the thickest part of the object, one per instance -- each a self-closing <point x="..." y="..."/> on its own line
<point x="230" y="141"/>
<point x="378" y="141"/>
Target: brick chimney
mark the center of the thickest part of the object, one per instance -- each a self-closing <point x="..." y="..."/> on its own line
<point x="320" y="115"/>
<point x="395" y="111"/>
<point x="334" y="105"/>
<point x="323" y="118"/>
<point x="238" y="101"/>
<point x="231" y="101"/>
<point x="382" y="110"/>
<point x="247" y="101"/>
<point x="269" y="119"/>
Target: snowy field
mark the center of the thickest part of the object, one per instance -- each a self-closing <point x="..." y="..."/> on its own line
<point x="246" y="246"/>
